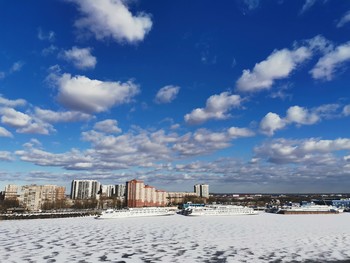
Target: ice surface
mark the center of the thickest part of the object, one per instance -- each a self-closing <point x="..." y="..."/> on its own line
<point x="261" y="238"/>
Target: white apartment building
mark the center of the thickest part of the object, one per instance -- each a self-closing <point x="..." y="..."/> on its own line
<point x="85" y="189"/>
<point x="205" y="190"/>
<point x="111" y="190"/>
<point x="197" y="189"/>
<point x="108" y="190"/>
<point x="202" y="190"/>
<point x="120" y="190"/>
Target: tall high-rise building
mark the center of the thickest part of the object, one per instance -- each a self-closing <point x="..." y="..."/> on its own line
<point x="139" y="195"/>
<point x="112" y="190"/>
<point x="205" y="190"/>
<point x="120" y="190"/>
<point x="84" y="189"/>
<point x="202" y="190"/>
<point x="197" y="189"/>
<point x="135" y="193"/>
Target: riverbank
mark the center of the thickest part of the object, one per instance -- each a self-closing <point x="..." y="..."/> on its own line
<point x="18" y="216"/>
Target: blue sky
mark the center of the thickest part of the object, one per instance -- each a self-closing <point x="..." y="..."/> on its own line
<point x="245" y="95"/>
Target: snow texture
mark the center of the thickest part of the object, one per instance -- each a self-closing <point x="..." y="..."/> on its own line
<point x="259" y="238"/>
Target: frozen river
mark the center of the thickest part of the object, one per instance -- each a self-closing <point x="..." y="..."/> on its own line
<point x="260" y="238"/>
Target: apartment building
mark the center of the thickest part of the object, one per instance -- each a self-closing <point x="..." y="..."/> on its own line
<point x="120" y="190"/>
<point x="113" y="190"/>
<point x="139" y="195"/>
<point x="202" y="190"/>
<point x="85" y="189"/>
<point x="108" y="190"/>
<point x="32" y="197"/>
<point x="197" y="189"/>
<point x="11" y="192"/>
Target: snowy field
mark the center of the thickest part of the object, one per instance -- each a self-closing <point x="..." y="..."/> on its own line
<point x="260" y="238"/>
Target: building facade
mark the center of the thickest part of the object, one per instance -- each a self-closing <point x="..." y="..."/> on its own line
<point x="202" y="190"/>
<point x="113" y="190"/>
<point x="135" y="192"/>
<point x="140" y="195"/>
<point x="205" y="190"/>
<point x="108" y="190"/>
<point x="32" y="197"/>
<point x="179" y="197"/>
<point x="85" y="189"/>
<point x="120" y="190"/>
<point x="11" y="192"/>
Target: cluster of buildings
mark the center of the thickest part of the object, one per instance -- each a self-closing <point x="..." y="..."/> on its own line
<point x="33" y="197"/>
<point x="134" y="193"/>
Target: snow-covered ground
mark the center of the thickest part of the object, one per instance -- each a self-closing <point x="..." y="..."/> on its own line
<point x="260" y="238"/>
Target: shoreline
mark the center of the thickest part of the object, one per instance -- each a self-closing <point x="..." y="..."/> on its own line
<point x="47" y="215"/>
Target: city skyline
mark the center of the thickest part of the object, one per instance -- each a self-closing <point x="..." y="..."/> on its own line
<point x="247" y="96"/>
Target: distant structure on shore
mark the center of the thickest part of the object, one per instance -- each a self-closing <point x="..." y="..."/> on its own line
<point x="140" y="195"/>
<point x="10" y="192"/>
<point x="91" y="193"/>
<point x="34" y="197"/>
<point x="202" y="190"/>
<point x="84" y="189"/>
<point x="92" y="189"/>
<point x="134" y="193"/>
<point x="112" y="190"/>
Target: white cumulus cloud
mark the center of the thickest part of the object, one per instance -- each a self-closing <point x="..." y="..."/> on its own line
<point x="24" y="123"/>
<point x="235" y="132"/>
<point x="299" y="116"/>
<point x="80" y="57"/>
<point x="312" y="150"/>
<point x="270" y="123"/>
<point x="167" y="94"/>
<point x="14" y="118"/>
<point x="107" y="126"/>
<point x="327" y="65"/>
<point x="217" y="108"/>
<point x="5" y="133"/>
<point x="319" y="43"/>
<point x="80" y="93"/>
<point x="278" y="65"/>
<point x="36" y="127"/>
<point x="11" y="103"/>
<point x="112" y="19"/>
<point x="66" y="116"/>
